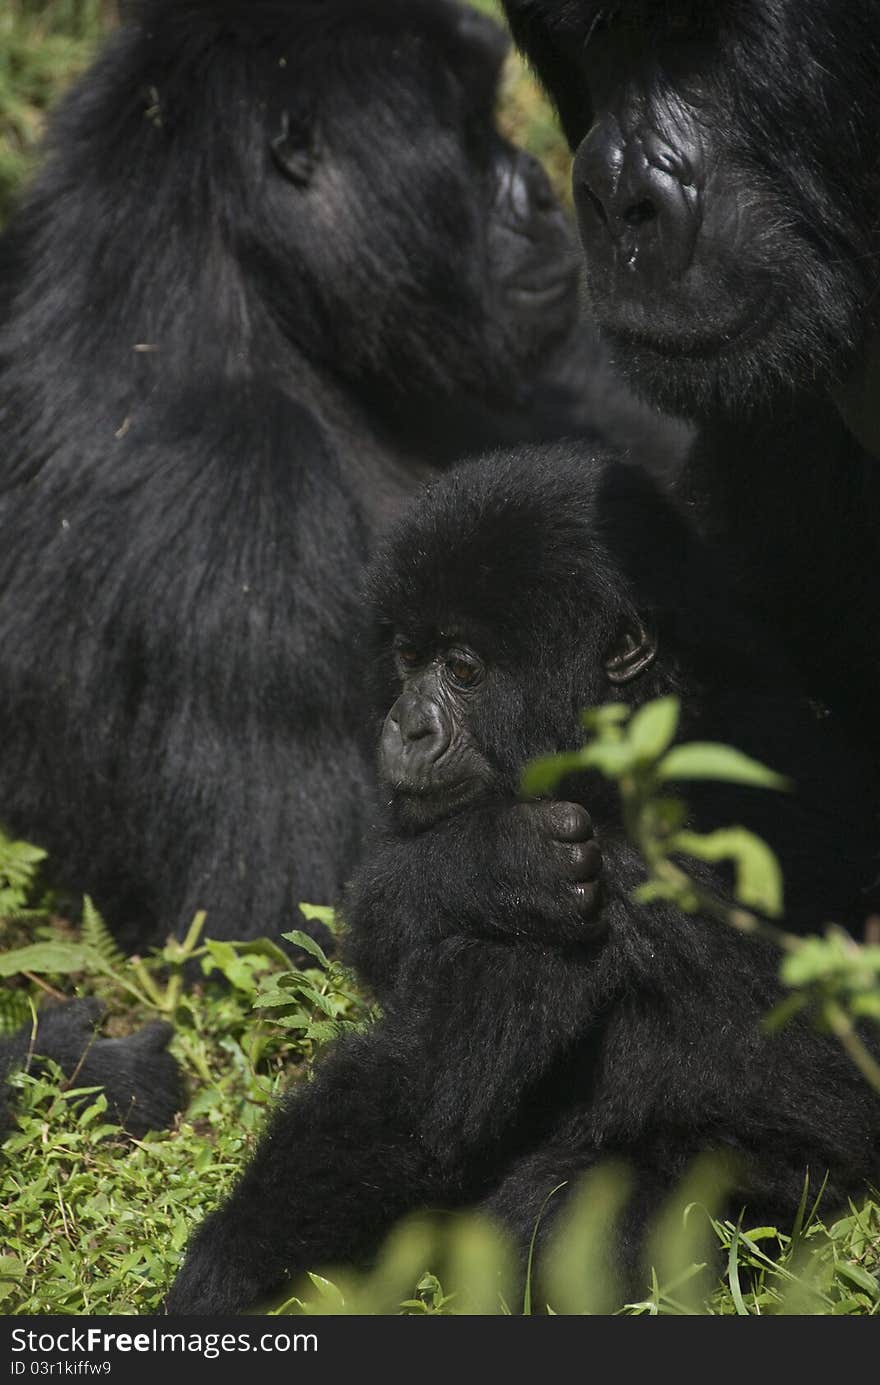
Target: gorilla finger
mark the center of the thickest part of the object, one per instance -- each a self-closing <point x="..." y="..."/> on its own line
<point x="583" y="860"/>
<point x="588" y="899"/>
<point x="569" y="822"/>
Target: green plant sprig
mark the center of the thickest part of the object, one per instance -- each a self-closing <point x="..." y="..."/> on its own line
<point x="835" y="977"/>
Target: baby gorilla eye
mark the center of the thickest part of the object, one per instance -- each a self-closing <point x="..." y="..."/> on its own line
<point x="464" y="670"/>
<point x="407" y="655"/>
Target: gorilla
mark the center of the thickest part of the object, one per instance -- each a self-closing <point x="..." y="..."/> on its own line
<point x="727" y="183"/>
<point x="278" y="268"/>
<point x="537" y="1021"/>
<point x="139" y="1077"/>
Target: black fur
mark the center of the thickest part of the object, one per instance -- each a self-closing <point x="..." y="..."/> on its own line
<point x="518" y="1048"/>
<point x="140" y="1079"/>
<point x="248" y="305"/>
<point x="780" y="95"/>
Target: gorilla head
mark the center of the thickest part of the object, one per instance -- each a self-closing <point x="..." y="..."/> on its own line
<point x="726" y="178"/>
<point x="360" y="183"/>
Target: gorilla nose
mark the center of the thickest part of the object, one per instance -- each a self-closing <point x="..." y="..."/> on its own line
<point x="413" y="739"/>
<point x="638" y="201"/>
<point x="416" y="718"/>
<point x="524" y="191"/>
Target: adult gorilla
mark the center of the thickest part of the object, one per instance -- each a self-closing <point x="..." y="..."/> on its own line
<point x="537" y="1020"/>
<point x="278" y="265"/>
<point x="727" y="179"/>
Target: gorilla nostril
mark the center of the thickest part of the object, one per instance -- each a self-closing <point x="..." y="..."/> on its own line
<point x="416" y="731"/>
<point x="640" y="212"/>
<point x="596" y="203"/>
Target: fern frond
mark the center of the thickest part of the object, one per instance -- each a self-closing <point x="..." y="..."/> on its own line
<point x="15" y="1010"/>
<point x="96" y="935"/>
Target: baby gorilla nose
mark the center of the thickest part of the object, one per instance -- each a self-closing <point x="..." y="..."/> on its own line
<point x="414" y="738"/>
<point x="638" y="204"/>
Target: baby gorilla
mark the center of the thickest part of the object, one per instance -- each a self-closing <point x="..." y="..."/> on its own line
<point x="536" y="1020"/>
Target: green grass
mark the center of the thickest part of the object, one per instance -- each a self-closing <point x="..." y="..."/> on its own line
<point x="93" y="1222"/>
<point x="43" y="45"/>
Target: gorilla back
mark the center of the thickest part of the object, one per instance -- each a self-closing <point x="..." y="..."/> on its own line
<point x="273" y="245"/>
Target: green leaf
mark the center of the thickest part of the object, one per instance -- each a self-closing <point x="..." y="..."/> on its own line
<point x="540" y="777"/>
<point x="758" y="876"/>
<point x="328" y="1290"/>
<point x="706" y="760"/>
<point x="780" y="1015"/>
<point x="324" y="913"/>
<point x="652" y="729"/>
<point x="300" y="939"/>
<point x="653" y="890"/>
<point x="50" y="958"/>
<point x="605" y="720"/>
<point x="612" y="758"/>
<point x="815" y="960"/>
<point x="861" y="1278"/>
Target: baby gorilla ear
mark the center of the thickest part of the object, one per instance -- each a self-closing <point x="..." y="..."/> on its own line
<point x="634" y="650"/>
<point x="295" y="148"/>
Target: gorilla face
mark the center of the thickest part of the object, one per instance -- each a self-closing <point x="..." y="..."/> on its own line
<point x="428" y="251"/>
<point x="726" y="183"/>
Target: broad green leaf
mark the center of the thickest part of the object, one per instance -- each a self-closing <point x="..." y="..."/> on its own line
<point x="816" y="959"/>
<point x="758" y="876"/>
<point x="541" y="776"/>
<point x="861" y="1278"/>
<point x="300" y="939"/>
<point x="328" y="1290"/>
<point x="606" y="719"/>
<point x="324" y="913"/>
<point x="706" y="760"/>
<point x="652" y="729"/>
<point x="612" y="758"/>
<point x="50" y="958"/>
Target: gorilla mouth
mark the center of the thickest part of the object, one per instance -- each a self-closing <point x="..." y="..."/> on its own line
<point x="541" y="293"/>
<point x="425" y="805"/>
<point x="695" y="345"/>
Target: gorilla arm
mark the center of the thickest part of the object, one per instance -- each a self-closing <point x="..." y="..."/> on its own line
<point x="501" y="870"/>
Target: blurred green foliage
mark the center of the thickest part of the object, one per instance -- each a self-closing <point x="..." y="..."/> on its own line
<point x="43" y="45"/>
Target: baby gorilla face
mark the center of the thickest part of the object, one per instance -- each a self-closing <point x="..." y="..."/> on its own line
<point x="429" y="757"/>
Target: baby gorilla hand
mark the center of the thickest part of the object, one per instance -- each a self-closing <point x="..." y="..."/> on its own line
<point x="562" y="833"/>
<point x="568" y="830"/>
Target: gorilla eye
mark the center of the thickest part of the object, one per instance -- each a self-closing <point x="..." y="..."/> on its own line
<point x="407" y="654"/>
<point x="465" y="670"/>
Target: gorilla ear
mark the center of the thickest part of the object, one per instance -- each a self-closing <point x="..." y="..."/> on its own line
<point x="295" y="149"/>
<point x="634" y="650"/>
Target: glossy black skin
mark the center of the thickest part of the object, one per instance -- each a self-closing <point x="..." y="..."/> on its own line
<point x="726" y="178"/>
<point x="279" y="266"/>
<point x="139" y="1077"/>
<point x="525" y="1038"/>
